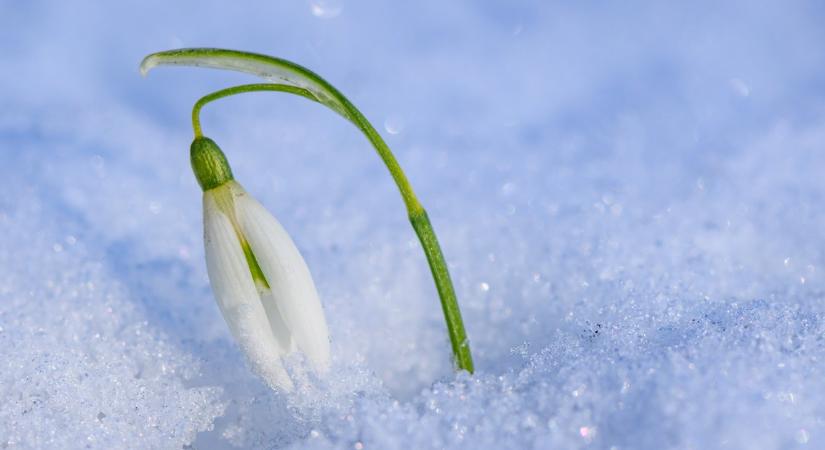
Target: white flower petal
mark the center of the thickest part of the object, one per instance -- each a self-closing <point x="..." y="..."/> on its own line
<point x="238" y="298"/>
<point x="276" y="321"/>
<point x="289" y="279"/>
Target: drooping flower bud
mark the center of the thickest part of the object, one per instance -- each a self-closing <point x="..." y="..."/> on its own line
<point x="261" y="283"/>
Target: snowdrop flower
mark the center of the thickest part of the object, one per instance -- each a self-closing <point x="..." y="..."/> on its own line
<point x="278" y="273"/>
<point x="261" y="283"/>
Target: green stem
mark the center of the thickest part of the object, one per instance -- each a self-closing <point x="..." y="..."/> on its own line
<point x="295" y="79"/>
<point x="449" y="303"/>
<point x="196" y="110"/>
<point x="417" y="215"/>
<point x="355" y="116"/>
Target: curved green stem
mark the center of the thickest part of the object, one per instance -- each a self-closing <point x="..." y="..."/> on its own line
<point x="196" y="110"/>
<point x="295" y="79"/>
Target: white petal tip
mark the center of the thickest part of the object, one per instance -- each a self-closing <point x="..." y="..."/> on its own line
<point x="282" y="384"/>
<point x="320" y="359"/>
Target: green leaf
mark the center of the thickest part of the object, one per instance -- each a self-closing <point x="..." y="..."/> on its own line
<point x="270" y="68"/>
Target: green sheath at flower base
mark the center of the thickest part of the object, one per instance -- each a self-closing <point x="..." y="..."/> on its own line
<point x="209" y="163"/>
<point x="292" y="78"/>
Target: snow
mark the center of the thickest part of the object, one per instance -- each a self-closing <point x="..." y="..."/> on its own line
<point x="629" y="198"/>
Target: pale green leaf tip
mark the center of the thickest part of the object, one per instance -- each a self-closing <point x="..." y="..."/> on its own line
<point x="148" y="63"/>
